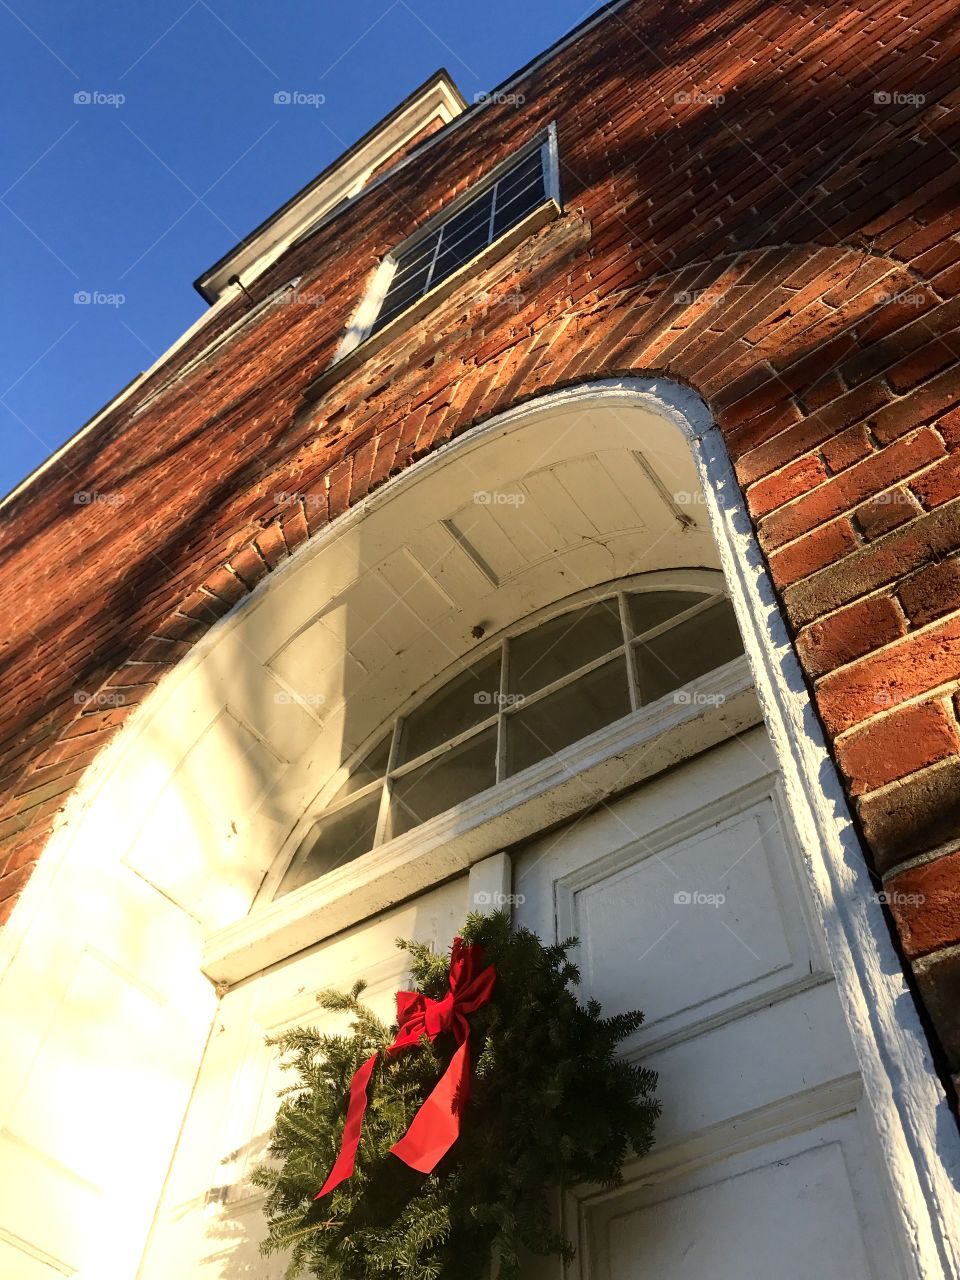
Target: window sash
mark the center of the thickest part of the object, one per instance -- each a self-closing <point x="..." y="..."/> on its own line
<point x="428" y="248"/>
<point x="499" y="717"/>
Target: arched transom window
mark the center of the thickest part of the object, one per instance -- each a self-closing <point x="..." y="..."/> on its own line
<point x="540" y="689"/>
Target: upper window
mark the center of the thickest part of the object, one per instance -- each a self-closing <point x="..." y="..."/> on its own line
<point x="479" y="223"/>
<point x="537" y="692"/>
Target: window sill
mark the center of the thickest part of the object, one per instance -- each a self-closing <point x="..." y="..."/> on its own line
<point x="616" y="758"/>
<point x="548" y="212"/>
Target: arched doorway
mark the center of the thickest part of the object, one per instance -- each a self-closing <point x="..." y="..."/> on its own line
<point x="211" y="793"/>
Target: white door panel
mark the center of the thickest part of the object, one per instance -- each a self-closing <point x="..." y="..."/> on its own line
<point x="210" y="1216"/>
<point x="686" y="898"/>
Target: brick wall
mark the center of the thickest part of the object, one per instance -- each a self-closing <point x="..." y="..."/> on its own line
<point x="761" y="200"/>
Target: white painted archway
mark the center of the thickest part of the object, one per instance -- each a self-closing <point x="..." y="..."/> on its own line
<point x="149" y="879"/>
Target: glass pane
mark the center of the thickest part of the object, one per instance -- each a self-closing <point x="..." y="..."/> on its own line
<point x="402" y="295"/>
<point x="373" y="766"/>
<point x="463" y="238"/>
<point x="560" y="646"/>
<point x="334" y="840"/>
<point x="521" y="175"/>
<point x="572" y="713"/>
<point x="688" y="650"/>
<point x="648" y="609"/>
<point x="456" y="775"/>
<point x="467" y="699"/>
<point x="516" y="200"/>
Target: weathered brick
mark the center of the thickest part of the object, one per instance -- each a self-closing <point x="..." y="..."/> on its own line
<point x="900" y="743"/>
<point x="925" y="901"/>
<point x="888" y="510"/>
<point x="779" y="488"/>
<point x="812" y="552"/>
<point x="850" y="633"/>
<point x="913" y="816"/>
<point x="851" y="487"/>
<point x="909" y="667"/>
<point x="932" y="592"/>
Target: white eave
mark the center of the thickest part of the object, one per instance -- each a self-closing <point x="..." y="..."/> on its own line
<point x="438" y="97"/>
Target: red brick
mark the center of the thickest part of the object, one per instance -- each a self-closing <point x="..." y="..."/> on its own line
<point x="812" y="552"/>
<point x="919" y="406"/>
<point x="850" y="633"/>
<point x="851" y="487"/>
<point x="925" y="901"/>
<point x="847" y="448"/>
<point x="932" y="592"/>
<point x="908" y="668"/>
<point x="783" y="485"/>
<point x="939" y="484"/>
<point x="888" y="510"/>
<point x="908" y="739"/>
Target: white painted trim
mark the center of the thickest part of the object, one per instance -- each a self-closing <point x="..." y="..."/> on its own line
<point x="341" y="183"/>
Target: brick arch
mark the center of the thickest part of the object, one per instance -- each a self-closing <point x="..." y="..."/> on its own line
<point x="832" y="373"/>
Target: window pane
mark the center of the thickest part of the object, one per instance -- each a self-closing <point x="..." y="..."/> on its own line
<point x="688" y="650"/>
<point x="464" y="236"/>
<point x="648" y="609"/>
<point x="572" y="713"/>
<point x="469" y="698"/>
<point x="560" y="646"/>
<point x="368" y="770"/>
<point x="334" y="840"/>
<point x="459" y="773"/>
<point x="521" y="175"/>
<point x="519" y="194"/>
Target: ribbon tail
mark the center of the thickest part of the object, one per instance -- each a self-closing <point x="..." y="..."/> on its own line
<point x="343" y="1166"/>
<point x="436" y="1126"/>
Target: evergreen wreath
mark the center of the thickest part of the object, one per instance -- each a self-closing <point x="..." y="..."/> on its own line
<point x="550" y="1105"/>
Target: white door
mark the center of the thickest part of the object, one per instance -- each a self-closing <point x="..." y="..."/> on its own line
<point x="688" y="902"/>
<point x="210" y="1221"/>
<point x="687" y="898"/>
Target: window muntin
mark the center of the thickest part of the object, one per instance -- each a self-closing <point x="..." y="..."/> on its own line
<point x="476" y="222"/>
<point x="539" y="691"/>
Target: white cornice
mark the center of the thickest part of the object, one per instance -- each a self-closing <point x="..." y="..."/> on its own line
<point x="439" y="97"/>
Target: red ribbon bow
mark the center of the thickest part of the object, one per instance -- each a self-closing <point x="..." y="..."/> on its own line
<point x="436" y="1126"/>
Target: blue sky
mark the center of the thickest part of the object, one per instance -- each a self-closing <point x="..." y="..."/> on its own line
<point x="183" y="151"/>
